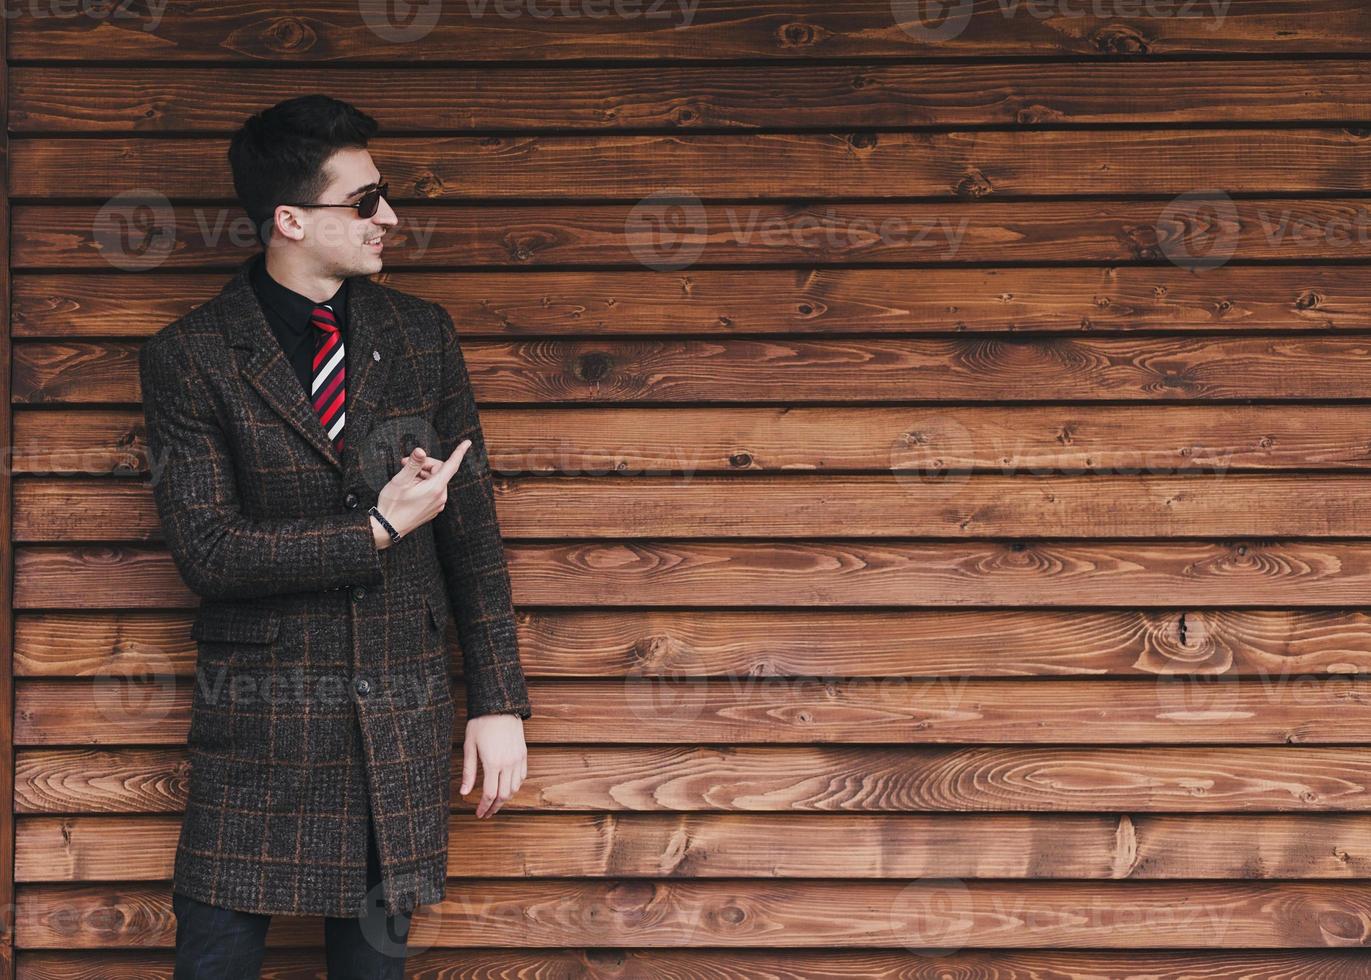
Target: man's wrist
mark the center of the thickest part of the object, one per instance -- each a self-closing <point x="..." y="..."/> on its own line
<point x="379" y="520"/>
<point x="379" y="534"/>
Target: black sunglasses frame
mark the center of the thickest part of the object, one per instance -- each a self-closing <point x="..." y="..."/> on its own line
<point x="365" y="206"/>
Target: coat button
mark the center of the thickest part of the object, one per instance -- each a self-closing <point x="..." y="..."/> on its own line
<point x="358" y="592"/>
<point x="362" y="685"/>
<point x="350" y="500"/>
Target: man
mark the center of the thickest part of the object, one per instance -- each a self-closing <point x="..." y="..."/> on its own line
<point x="321" y="478"/>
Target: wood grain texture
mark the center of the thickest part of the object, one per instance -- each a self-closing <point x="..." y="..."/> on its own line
<point x="782" y="30"/>
<point x="113" y="708"/>
<point x="1025" y="441"/>
<point x="1272" y="645"/>
<point x="927" y="499"/>
<point x="783" y="372"/>
<point x="931" y="914"/>
<point x="144" y="233"/>
<point x="940" y="552"/>
<point x="776" y="846"/>
<point x="756" y="166"/>
<point x="149" y="97"/>
<point x="761" y="301"/>
<point x="803" y="779"/>
<point x="439" y="963"/>
<point x="799" y="573"/>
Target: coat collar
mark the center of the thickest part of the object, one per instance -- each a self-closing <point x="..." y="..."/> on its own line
<point x="372" y="323"/>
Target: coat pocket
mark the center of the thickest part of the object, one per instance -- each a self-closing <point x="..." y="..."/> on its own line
<point x="437" y="613"/>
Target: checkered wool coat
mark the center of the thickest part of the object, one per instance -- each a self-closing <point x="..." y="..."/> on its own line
<point x="322" y="677"/>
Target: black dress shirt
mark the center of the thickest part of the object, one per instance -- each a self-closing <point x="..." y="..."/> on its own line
<point x="288" y="314"/>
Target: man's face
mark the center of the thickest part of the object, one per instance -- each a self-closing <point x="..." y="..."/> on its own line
<point x="341" y="243"/>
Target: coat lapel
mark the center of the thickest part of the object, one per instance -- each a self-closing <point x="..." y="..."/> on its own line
<point x="371" y="323"/>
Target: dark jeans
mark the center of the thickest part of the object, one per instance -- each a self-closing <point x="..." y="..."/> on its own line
<point x="214" y="943"/>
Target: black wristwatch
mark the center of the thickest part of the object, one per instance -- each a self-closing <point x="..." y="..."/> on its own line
<point x="394" y="534"/>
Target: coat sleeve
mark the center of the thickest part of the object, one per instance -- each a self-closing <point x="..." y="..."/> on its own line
<point x="221" y="553"/>
<point x="471" y="552"/>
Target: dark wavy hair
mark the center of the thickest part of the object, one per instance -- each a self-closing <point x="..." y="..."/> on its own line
<point x="278" y="155"/>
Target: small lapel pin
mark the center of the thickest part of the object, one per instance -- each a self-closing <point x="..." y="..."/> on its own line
<point x="375" y="355"/>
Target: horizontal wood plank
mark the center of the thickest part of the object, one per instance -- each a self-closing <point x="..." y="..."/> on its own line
<point x="146" y="232"/>
<point x="785" y="372"/>
<point x="925" y="498"/>
<point x="809" y="779"/>
<point x="965" y="165"/>
<point x="807" y="573"/>
<point x="857" y="846"/>
<point x="635" y="441"/>
<point x="317" y="32"/>
<point x="728" y="302"/>
<point x="440" y="963"/>
<point x="118" y="709"/>
<point x="927" y="913"/>
<point x="151" y="98"/>
<point x="1270" y="645"/>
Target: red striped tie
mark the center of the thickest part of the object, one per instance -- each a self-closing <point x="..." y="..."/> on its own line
<point x="328" y="390"/>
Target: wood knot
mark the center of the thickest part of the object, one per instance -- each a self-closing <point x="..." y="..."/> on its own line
<point x="289" y="35"/>
<point x="1031" y="114"/>
<point x="973" y="185"/>
<point x="593" y="366"/>
<point x="1118" y="39"/>
<point x="429" y="185"/>
<point x="797" y="35"/>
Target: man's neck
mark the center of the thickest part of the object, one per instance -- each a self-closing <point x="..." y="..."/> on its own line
<point x="291" y="273"/>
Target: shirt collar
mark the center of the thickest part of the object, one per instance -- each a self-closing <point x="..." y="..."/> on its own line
<point x="294" y="308"/>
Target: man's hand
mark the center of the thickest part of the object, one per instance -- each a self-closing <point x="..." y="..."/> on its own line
<point x="427" y="464"/>
<point x="498" y="740"/>
<point x="417" y="492"/>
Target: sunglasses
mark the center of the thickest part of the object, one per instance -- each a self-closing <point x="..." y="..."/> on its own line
<point x="366" y="205"/>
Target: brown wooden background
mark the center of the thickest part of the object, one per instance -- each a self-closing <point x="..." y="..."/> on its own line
<point x="811" y="700"/>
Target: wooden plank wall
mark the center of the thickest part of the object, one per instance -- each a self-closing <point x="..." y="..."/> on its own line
<point x="935" y="473"/>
